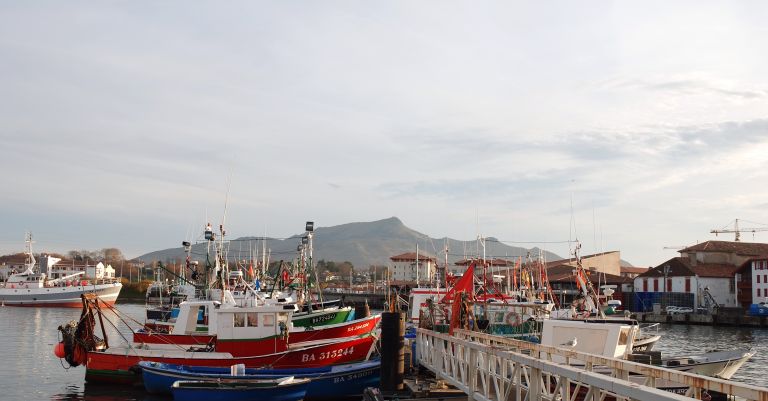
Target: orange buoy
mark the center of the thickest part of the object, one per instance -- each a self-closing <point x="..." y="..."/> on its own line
<point x="58" y="350"/>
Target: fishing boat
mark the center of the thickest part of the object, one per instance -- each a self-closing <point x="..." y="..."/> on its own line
<point x="244" y="330"/>
<point x="488" y="309"/>
<point x="330" y="382"/>
<point x="163" y="299"/>
<point x="117" y="364"/>
<point x="284" y="389"/>
<point x="35" y="287"/>
<point x="268" y="327"/>
<point x="614" y="339"/>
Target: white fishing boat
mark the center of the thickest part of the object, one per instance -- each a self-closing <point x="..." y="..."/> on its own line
<point x="615" y="340"/>
<point x="34" y="287"/>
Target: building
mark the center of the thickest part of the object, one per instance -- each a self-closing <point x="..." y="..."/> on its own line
<point x="632" y="272"/>
<point x="404" y="268"/>
<point x="563" y="282"/>
<point x="53" y="267"/>
<point x="752" y="282"/>
<point x="604" y="262"/>
<point x="703" y="275"/>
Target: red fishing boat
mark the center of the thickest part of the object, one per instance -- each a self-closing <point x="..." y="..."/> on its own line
<point x="245" y="331"/>
<point x="255" y="336"/>
<point x="117" y="365"/>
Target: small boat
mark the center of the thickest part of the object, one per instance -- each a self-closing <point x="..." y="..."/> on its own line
<point x="720" y="364"/>
<point x="645" y="339"/>
<point x="329" y="382"/>
<point x="283" y="389"/>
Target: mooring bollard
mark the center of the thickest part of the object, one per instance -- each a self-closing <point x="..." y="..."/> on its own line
<point x="392" y="351"/>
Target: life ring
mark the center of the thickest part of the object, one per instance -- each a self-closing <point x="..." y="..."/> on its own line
<point x="513" y="319"/>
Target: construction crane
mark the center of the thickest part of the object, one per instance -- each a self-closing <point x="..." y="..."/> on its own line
<point x="736" y="230"/>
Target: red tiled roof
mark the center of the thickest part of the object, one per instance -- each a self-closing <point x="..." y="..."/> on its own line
<point x="18" y="258"/>
<point x="678" y="267"/>
<point x="715" y="270"/>
<point x="681" y="267"/>
<point x="630" y="269"/>
<point x="740" y="248"/>
<point x="411" y="256"/>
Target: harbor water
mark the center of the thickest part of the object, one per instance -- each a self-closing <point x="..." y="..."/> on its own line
<point x="30" y="371"/>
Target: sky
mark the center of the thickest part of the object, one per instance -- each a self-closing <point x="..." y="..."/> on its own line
<point x="632" y="126"/>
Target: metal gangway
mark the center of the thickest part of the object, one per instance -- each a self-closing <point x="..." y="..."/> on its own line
<point x="493" y="368"/>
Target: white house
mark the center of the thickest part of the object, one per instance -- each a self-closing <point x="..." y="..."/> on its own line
<point x="710" y="283"/>
<point x="100" y="271"/>
<point x="404" y="268"/>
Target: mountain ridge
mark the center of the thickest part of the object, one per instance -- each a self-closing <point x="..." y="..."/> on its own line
<point x="361" y="243"/>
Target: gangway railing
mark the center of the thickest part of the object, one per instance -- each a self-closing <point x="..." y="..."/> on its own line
<point x="494" y="368"/>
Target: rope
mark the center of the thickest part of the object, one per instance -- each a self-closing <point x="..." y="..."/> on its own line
<point x="119" y="315"/>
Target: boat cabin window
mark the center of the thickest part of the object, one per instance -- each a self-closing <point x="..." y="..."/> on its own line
<point x="253" y="319"/>
<point x="269" y="319"/>
<point x="239" y="319"/>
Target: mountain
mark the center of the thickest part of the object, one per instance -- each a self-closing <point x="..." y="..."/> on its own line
<point x="363" y="244"/>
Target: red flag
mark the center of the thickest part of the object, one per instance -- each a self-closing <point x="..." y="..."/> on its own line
<point x="466" y="283"/>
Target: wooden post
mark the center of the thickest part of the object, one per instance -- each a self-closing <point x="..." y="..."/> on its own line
<point x="392" y="351"/>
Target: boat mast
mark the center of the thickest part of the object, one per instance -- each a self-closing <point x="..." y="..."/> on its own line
<point x="445" y="267"/>
<point x="30" y="256"/>
<point x="264" y="254"/>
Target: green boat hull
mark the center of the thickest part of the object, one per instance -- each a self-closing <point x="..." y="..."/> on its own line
<point x="322" y="318"/>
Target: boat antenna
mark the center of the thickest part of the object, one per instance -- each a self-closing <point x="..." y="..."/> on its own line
<point x="224" y="256"/>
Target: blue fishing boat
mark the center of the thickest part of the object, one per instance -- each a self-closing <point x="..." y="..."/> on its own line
<point x="330" y="382"/>
<point x="283" y="389"/>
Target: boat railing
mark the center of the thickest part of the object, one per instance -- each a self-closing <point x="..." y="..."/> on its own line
<point x="452" y="355"/>
<point x="84" y="281"/>
<point x="646" y="327"/>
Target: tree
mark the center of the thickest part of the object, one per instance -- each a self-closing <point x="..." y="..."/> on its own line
<point x="112" y="255"/>
<point x="345" y="269"/>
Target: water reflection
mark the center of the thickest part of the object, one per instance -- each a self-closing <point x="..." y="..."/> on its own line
<point x="30" y="371"/>
<point x="96" y="392"/>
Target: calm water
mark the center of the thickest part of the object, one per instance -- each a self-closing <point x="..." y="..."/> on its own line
<point x="687" y="340"/>
<point x="30" y="371"/>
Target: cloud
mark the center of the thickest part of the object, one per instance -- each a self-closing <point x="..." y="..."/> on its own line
<point x="608" y="166"/>
<point x="687" y="87"/>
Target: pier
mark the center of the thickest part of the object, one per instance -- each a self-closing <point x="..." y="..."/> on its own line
<point x="493" y="368"/>
<point x="718" y="319"/>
